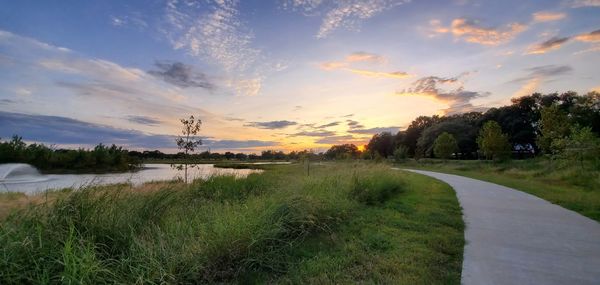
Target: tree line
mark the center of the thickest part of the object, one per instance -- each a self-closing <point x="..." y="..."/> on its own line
<point x="99" y="159"/>
<point x="566" y="124"/>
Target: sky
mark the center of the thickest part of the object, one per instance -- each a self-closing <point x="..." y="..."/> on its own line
<point x="283" y="75"/>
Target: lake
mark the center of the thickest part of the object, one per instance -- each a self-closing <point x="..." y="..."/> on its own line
<point x="17" y="177"/>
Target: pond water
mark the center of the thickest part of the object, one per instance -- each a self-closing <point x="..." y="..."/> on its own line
<point x="19" y="177"/>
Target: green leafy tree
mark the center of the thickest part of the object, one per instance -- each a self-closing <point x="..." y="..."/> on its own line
<point x="492" y="142"/>
<point x="189" y="140"/>
<point x="401" y="153"/>
<point x="582" y="145"/>
<point x="445" y="145"/>
<point x="554" y="128"/>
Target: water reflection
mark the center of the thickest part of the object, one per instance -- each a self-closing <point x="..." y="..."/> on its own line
<point x="151" y="172"/>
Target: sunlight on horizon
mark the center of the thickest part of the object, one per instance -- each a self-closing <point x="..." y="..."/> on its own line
<point x="282" y="75"/>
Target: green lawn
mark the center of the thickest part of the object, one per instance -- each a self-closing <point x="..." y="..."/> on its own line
<point x="345" y="223"/>
<point x="571" y="186"/>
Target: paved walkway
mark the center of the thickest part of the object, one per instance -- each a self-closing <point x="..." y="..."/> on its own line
<point x="516" y="238"/>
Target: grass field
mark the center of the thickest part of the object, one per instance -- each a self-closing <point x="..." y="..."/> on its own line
<point x="571" y="186"/>
<point x="345" y="223"/>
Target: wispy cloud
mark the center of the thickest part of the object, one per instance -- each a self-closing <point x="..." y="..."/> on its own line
<point x="584" y="3"/>
<point x="591" y="37"/>
<point x="535" y="76"/>
<point x="341" y="14"/>
<point x="271" y="125"/>
<point x="546" y="46"/>
<point x="181" y="75"/>
<point x="375" y="130"/>
<point x="363" y="57"/>
<point x="143" y="120"/>
<point x="213" y="31"/>
<point x="545" y="16"/>
<point x="544" y="71"/>
<point x="132" y="19"/>
<point x="449" y="90"/>
<point x="473" y="32"/>
<point x="68" y="131"/>
<point x="314" y="134"/>
<point x="556" y="43"/>
<point x="342" y="139"/>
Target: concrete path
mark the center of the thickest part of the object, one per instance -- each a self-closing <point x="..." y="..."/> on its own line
<point x="516" y="238"/>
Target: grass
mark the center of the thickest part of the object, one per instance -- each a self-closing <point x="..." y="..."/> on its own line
<point x="347" y="222"/>
<point x="559" y="182"/>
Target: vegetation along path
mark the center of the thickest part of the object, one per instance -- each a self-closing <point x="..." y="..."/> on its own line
<point x="515" y="238"/>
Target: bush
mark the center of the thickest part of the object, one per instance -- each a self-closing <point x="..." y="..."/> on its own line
<point x="375" y="188"/>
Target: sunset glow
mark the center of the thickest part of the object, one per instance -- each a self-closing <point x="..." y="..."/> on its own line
<point x="282" y="75"/>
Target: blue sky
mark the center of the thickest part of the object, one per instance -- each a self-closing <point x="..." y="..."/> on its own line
<point x="278" y="74"/>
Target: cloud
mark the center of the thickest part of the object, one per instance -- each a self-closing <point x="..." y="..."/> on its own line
<point x="362" y="56"/>
<point x="536" y="76"/>
<point x="595" y="48"/>
<point x="314" y="134"/>
<point x="341" y="140"/>
<point x="545" y="16"/>
<point x="544" y="71"/>
<point x="143" y="120"/>
<point x="556" y="43"/>
<point x="341" y="14"/>
<point x="67" y="131"/>
<point x="92" y="68"/>
<point x="354" y="124"/>
<point x="212" y="30"/>
<point x="449" y="90"/>
<point x="7" y="101"/>
<point x="134" y="19"/>
<point x="332" y="124"/>
<point x="592" y="37"/>
<point x="549" y="45"/>
<point x="584" y="3"/>
<point x="376" y="130"/>
<point x="181" y="75"/>
<point x="378" y="74"/>
<point x="471" y="31"/>
<point x="333" y="65"/>
<point x="271" y="125"/>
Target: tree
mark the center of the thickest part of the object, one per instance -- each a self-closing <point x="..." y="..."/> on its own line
<point x="554" y="128"/>
<point x="445" y="145"/>
<point x="582" y="145"/>
<point x="343" y="151"/>
<point x="401" y="153"/>
<point x="493" y="142"/>
<point x="382" y="144"/>
<point x="189" y="141"/>
<point x="463" y="131"/>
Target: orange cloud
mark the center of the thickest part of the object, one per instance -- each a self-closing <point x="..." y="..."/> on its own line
<point x="549" y="45"/>
<point x="365" y="57"/>
<point x="591" y="37"/>
<point x="368" y="73"/>
<point x="332" y="65"/>
<point x="470" y="31"/>
<point x="544" y="16"/>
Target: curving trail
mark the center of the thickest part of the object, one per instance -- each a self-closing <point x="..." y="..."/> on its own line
<point x="515" y="238"/>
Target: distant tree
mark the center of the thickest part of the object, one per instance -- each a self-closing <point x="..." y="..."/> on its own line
<point x="188" y="141"/>
<point x="464" y="132"/>
<point x="343" y="151"/>
<point x="401" y="153"/>
<point x="554" y="128"/>
<point x="381" y="144"/>
<point x="445" y="145"/>
<point x="492" y="142"/>
<point x="414" y="131"/>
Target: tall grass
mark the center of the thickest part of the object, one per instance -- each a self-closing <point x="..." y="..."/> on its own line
<point x="219" y="230"/>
